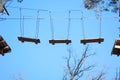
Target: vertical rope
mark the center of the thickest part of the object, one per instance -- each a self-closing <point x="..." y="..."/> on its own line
<point x="119" y="14"/>
<point x="69" y="23"/>
<point x="82" y="23"/>
<point x="100" y="18"/>
<point x="119" y="10"/>
<point x="23" y="26"/>
<point x="100" y="25"/>
<point x="119" y="31"/>
<point x="37" y="25"/>
<point x="51" y="24"/>
<point x="21" y="29"/>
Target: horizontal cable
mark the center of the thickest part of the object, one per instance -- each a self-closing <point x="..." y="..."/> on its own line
<point x="19" y="18"/>
<point x="27" y="8"/>
<point x="55" y="18"/>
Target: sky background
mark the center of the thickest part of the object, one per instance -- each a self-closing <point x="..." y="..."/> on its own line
<point x="45" y="61"/>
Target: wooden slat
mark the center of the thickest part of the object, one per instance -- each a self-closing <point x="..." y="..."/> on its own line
<point x="59" y="41"/>
<point x="24" y="39"/>
<point x="116" y="51"/>
<point x="4" y="48"/>
<point x="116" y="48"/>
<point x="99" y="40"/>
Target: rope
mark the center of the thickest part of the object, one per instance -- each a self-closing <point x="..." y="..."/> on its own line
<point x="27" y="8"/>
<point x="23" y="26"/>
<point x="37" y="25"/>
<point x="119" y="11"/>
<point x="51" y="24"/>
<point x="69" y="23"/>
<point x="9" y="3"/>
<point x="100" y="27"/>
<point x="21" y="29"/>
<point x="100" y="23"/>
<point x="82" y="23"/>
<point x="119" y="31"/>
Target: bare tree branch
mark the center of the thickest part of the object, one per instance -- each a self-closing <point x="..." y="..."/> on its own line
<point x="68" y="64"/>
<point x="100" y="76"/>
<point x="76" y="71"/>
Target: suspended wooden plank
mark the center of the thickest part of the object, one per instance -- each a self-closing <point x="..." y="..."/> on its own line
<point x="99" y="40"/>
<point x="4" y="48"/>
<point x="116" y="48"/>
<point x="24" y="39"/>
<point x="59" y="41"/>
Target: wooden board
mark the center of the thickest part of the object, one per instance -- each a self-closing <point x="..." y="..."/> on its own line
<point x="59" y="41"/>
<point x="24" y="39"/>
<point x="4" y="48"/>
<point x="116" y="47"/>
<point x="99" y="40"/>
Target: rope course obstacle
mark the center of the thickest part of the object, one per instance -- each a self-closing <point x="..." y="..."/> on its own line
<point x="91" y="40"/>
<point x="4" y="48"/>
<point x="53" y="41"/>
<point x="26" y="39"/>
<point x="116" y="47"/>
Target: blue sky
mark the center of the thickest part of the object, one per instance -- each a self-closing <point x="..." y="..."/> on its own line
<point x="45" y="61"/>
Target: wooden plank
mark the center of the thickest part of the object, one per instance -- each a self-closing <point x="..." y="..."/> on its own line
<point x="99" y="40"/>
<point x="117" y="42"/>
<point x="59" y="41"/>
<point x="116" y="48"/>
<point x="24" y="39"/>
<point x="1" y="38"/>
<point x="4" y="48"/>
<point x="116" y="51"/>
